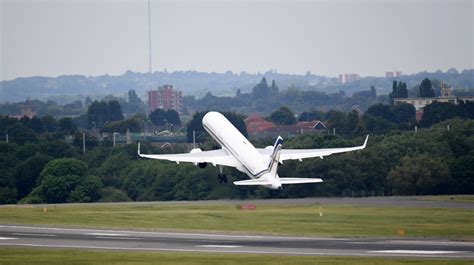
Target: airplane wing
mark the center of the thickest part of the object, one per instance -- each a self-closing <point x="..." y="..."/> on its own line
<point x="287" y="154"/>
<point x="214" y="157"/>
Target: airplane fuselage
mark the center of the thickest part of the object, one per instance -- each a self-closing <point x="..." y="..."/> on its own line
<point x="250" y="161"/>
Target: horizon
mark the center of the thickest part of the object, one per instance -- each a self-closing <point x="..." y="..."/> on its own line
<point x="234" y="73"/>
<point x="55" y="38"/>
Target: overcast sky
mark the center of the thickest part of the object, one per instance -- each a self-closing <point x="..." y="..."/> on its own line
<point x="52" y="38"/>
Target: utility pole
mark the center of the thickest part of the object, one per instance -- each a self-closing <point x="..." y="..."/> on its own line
<point x="113" y="137"/>
<point x="6" y="137"/>
<point x="194" y="139"/>
<point x="83" y="143"/>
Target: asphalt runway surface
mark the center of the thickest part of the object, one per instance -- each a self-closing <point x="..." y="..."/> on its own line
<point x="125" y="240"/>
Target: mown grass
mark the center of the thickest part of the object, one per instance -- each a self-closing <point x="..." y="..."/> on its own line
<point x="337" y="220"/>
<point x="55" y="256"/>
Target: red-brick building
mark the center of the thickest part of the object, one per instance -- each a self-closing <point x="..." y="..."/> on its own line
<point x="256" y="125"/>
<point x="165" y="98"/>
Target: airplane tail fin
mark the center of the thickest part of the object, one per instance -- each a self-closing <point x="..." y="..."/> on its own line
<point x="275" y="157"/>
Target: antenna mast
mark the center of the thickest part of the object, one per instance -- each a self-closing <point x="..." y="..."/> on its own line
<point x="149" y="39"/>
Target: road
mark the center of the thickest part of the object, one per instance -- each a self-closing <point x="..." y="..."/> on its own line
<point x="126" y="240"/>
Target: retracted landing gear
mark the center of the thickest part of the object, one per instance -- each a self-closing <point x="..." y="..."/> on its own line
<point x="222" y="178"/>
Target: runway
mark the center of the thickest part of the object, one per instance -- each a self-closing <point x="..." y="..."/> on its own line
<point x="127" y="240"/>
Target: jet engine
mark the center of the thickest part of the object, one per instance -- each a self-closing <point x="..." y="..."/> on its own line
<point x="198" y="150"/>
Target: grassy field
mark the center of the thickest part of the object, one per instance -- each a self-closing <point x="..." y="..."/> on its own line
<point x="337" y="220"/>
<point x="48" y="256"/>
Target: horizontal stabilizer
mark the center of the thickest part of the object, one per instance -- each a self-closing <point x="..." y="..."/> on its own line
<point x="251" y="182"/>
<point x="299" y="180"/>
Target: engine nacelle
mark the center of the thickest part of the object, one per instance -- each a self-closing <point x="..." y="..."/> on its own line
<point x="196" y="150"/>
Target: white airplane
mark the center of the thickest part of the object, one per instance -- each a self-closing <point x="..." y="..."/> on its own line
<point x="260" y="164"/>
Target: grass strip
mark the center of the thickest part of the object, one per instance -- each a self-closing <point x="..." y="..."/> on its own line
<point x="336" y="220"/>
<point x="16" y="256"/>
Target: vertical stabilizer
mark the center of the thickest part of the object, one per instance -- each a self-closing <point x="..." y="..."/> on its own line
<point x="275" y="157"/>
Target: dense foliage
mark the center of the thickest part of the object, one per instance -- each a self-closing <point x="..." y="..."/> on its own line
<point x="161" y="117"/>
<point x="41" y="167"/>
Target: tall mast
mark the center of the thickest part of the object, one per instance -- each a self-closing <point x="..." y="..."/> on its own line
<point x="149" y="39"/>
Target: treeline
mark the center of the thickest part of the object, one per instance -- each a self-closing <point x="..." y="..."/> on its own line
<point x="434" y="160"/>
<point x="265" y="98"/>
<point x="129" y="106"/>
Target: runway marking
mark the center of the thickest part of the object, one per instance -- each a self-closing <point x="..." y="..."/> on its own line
<point x="121" y="238"/>
<point x="422" y="242"/>
<point x="104" y="234"/>
<point x="217" y="246"/>
<point x="217" y="250"/>
<point x="7" y="238"/>
<point x="27" y="234"/>
<point x="425" y="252"/>
<point x="97" y="231"/>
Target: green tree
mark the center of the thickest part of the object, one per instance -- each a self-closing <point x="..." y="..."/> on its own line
<point x="66" y="180"/>
<point x="315" y="115"/>
<point x="283" y="116"/>
<point x="261" y="90"/>
<point x="20" y="134"/>
<point x="115" y="111"/>
<point x="133" y="124"/>
<point x="50" y="124"/>
<point x="112" y="170"/>
<point x="440" y="111"/>
<point x="418" y="175"/>
<point x="101" y="113"/>
<point x="91" y="140"/>
<point x="158" y="117"/>
<point x="8" y="162"/>
<point x="274" y="88"/>
<point x="172" y="117"/>
<point x="110" y="194"/>
<point x="426" y="89"/>
<point x="399" y="90"/>
<point x="36" y="125"/>
<point x="27" y="173"/>
<point x="67" y="126"/>
<point x="133" y="98"/>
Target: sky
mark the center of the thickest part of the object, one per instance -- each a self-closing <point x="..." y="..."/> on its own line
<point x="368" y="37"/>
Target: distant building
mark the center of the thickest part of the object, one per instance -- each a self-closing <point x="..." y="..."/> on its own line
<point x="393" y="74"/>
<point x="346" y="78"/>
<point x="420" y="103"/>
<point x="165" y="98"/>
<point x="257" y="126"/>
<point x="28" y="110"/>
<point x="446" y="90"/>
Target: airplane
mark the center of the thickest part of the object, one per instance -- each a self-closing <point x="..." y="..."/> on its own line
<point x="260" y="164"/>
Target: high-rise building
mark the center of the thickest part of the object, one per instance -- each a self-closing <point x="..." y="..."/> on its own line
<point x="393" y="74"/>
<point x="165" y="98"/>
<point x="345" y="78"/>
